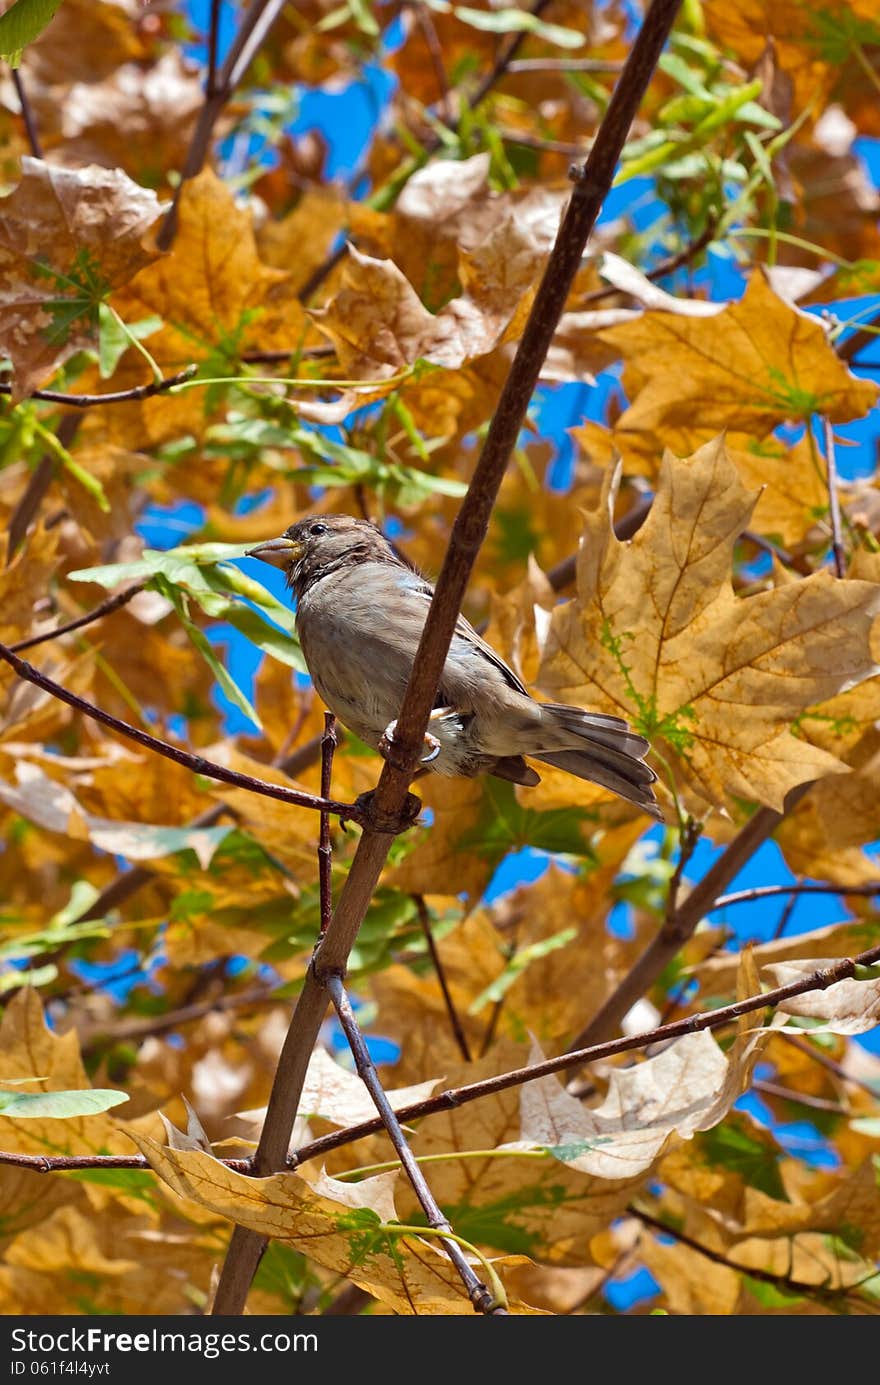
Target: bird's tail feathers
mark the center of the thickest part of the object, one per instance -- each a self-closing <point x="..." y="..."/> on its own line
<point x="605" y="751"/>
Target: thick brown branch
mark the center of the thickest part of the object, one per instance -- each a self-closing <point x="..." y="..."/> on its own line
<point x="468" y="531"/>
<point x="197" y="763"/>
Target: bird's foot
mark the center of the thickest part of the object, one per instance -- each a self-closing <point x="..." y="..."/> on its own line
<point x="388" y="748"/>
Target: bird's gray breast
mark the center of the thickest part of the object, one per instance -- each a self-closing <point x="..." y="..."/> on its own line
<point x="359" y="630"/>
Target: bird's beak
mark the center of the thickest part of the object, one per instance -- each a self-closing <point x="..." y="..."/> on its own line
<point x="279" y="552"/>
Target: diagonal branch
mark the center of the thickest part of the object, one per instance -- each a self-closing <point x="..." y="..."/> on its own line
<point x="27" y="114"/>
<point x="454" y="1020"/>
<point x="477" y="1292"/>
<point x="838" y="552"/>
<point x="592" y="185"/>
<point x="325" y="850"/>
<point x="253" y="30"/>
<point x="819" y="980"/>
<point x="197" y="763"/>
<point x="682" y="923"/>
<point x="40" y="481"/>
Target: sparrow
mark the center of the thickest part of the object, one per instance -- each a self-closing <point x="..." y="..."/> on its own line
<point x="360" y="611"/>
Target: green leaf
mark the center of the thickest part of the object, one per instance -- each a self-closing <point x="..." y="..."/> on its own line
<point x="517" y="964"/>
<point x="21" y="24"/>
<point x="203" y="645"/>
<point x="732" y="1146"/>
<point x="59" y="1105"/>
<point x="203" y="573"/>
<point x="511" y="21"/>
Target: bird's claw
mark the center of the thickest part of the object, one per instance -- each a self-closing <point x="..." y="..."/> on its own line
<point x="387" y="745"/>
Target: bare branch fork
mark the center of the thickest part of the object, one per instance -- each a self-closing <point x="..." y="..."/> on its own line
<point x="477" y="1292"/>
<point x="591" y="185"/>
<point x="819" y="980"/>
<point x="253" y="30"/>
<point x="351" y="812"/>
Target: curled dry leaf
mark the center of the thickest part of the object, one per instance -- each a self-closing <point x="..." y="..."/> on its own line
<point x="67" y="238"/>
<point x="848" y="1007"/>
<point x="343" y="1226"/>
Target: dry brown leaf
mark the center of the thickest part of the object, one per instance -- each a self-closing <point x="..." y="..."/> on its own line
<point x="67" y="238"/>
<point x="343" y="1226"/>
<point x="847" y="1007"/>
<point x="657" y="633"/>
<point x="757" y="364"/>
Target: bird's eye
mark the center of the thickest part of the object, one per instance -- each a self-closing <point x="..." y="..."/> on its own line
<point x="317" y="529"/>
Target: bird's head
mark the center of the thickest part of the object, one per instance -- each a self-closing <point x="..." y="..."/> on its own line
<point x="321" y="544"/>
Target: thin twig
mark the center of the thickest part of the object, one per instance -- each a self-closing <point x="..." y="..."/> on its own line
<point x="253" y="30"/>
<point x="785" y="917"/>
<point x="798" y="887"/>
<point x="678" y="928"/>
<point x="389" y="799"/>
<point x="425" y="22"/>
<point x="816" y="1103"/>
<point x="27" y="114"/>
<point x="91" y="401"/>
<point x="682" y="257"/>
<point x="451" y="1099"/>
<point x="106" y="608"/>
<point x="124" y="1031"/>
<point x="564" y="65"/>
<point x="30" y="502"/>
<point x="197" y="763"/>
<point x="567" y="149"/>
<point x="563" y="574"/>
<point x="780" y="1281"/>
<point x="477" y="1291"/>
<point x="829" y="1064"/>
<point x="838" y="552"/>
<point x="454" y="1021"/>
<point x="689" y="838"/>
<point x="325" y="848"/>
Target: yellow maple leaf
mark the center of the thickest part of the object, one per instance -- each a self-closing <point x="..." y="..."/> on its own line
<point x="750" y="368"/>
<point x="657" y="632"/>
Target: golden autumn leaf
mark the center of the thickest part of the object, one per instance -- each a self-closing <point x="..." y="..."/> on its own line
<point x="67" y="238"/>
<point x="759" y="363"/>
<point x="216" y="298"/>
<point x="657" y="633"/>
<point x="820" y="49"/>
<point x="348" y="1227"/>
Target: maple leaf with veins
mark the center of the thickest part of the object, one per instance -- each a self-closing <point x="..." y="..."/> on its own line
<point x="68" y="237"/>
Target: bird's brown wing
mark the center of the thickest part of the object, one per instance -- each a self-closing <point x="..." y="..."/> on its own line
<point x="466" y="631"/>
